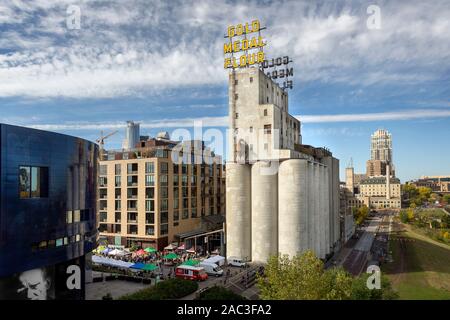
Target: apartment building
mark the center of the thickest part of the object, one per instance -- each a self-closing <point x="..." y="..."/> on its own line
<point x="159" y="192"/>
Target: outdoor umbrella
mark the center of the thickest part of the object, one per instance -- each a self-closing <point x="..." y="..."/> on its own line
<point x="191" y="262"/>
<point x="150" y="250"/>
<point x="138" y="265"/>
<point x="171" y="256"/>
<point x="140" y="252"/>
<point x="149" y="267"/>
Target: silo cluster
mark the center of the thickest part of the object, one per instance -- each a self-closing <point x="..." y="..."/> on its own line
<point x="288" y="210"/>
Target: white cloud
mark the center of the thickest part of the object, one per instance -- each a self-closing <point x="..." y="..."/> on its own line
<point x="223" y="121"/>
<point x="141" y="47"/>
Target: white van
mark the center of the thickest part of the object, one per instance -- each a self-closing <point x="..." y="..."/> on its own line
<point x="236" y="262"/>
<point x="212" y="269"/>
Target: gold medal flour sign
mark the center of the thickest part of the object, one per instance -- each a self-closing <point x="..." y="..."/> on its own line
<point x="244" y="46"/>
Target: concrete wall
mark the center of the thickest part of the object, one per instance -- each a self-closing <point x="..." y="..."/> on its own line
<point x="294" y="194"/>
<point x="238" y="210"/>
<point x="264" y="226"/>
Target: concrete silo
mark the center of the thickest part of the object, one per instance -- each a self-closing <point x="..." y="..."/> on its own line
<point x="238" y="210"/>
<point x="293" y="190"/>
<point x="264" y="226"/>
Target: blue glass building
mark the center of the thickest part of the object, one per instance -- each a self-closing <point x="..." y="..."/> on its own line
<point x="47" y="213"/>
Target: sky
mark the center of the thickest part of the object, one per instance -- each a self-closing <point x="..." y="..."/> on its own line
<point x="160" y="63"/>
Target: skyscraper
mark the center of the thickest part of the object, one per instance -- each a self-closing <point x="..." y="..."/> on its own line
<point x="381" y="146"/>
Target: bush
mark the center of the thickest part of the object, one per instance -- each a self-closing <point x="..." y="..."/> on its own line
<point x="219" y="293"/>
<point x="168" y="289"/>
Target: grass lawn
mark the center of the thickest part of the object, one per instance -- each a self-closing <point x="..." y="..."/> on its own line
<point x="421" y="266"/>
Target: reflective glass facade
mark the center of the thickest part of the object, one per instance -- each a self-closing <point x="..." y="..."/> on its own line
<point x="47" y="200"/>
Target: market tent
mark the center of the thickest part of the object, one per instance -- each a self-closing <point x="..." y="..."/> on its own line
<point x="138" y="265"/>
<point x="170" y="247"/>
<point x="191" y="262"/>
<point x="140" y="252"/>
<point x="191" y="250"/>
<point x="111" y="262"/>
<point x="171" y="256"/>
<point x="107" y="250"/>
<point x="150" y="250"/>
<point x="182" y="247"/>
<point x="219" y="260"/>
<point x="150" y="267"/>
<point x="115" y="252"/>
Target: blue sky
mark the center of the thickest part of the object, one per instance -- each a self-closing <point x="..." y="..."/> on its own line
<point x="161" y="63"/>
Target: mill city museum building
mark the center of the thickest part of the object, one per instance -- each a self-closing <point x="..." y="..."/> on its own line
<point x="282" y="195"/>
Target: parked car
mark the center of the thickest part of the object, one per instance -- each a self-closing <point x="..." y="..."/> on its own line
<point x="237" y="262"/>
<point x="212" y="269"/>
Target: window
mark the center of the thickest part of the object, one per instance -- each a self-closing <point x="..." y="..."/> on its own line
<point x="117" y="181"/>
<point x="236" y="96"/>
<point x="251" y="129"/>
<point x="69" y="217"/>
<point x="103" y="216"/>
<point x="117" y="169"/>
<point x="194" y="213"/>
<point x="149" y="167"/>
<point x="236" y="116"/>
<point x="164" y="217"/>
<point x="251" y="79"/>
<point x="164" y="229"/>
<point x="132" y="217"/>
<point x="149" y="205"/>
<point x="33" y="182"/>
<point x="150" y="230"/>
<point x="176" y="215"/>
<point x="117" y="205"/>
<point x="102" y="181"/>
<point x="103" y="169"/>
<point x="164" y="204"/>
<point x="176" y="204"/>
<point x="132" y="181"/>
<point x="175" y="168"/>
<point x="163" y="180"/>
<point x="117" y="217"/>
<point x="149" y="193"/>
<point x="267" y="99"/>
<point x="265" y="112"/>
<point x="164" y="192"/>
<point x="59" y="242"/>
<point x="236" y="82"/>
<point x="185" y="214"/>
<point x="267" y="129"/>
<point x="132" y="168"/>
<point x="149" y="181"/>
<point x="164" y="167"/>
<point x="149" y="217"/>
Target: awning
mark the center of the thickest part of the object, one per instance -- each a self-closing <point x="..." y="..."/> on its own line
<point x="138" y="265"/>
<point x="170" y="247"/>
<point x="150" y="250"/>
<point x="171" y="256"/>
<point x="182" y="247"/>
<point x="150" y="267"/>
<point x="191" y="262"/>
<point x="111" y="262"/>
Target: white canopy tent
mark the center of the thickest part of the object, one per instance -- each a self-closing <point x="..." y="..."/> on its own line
<point x="219" y="260"/>
<point x="111" y="262"/>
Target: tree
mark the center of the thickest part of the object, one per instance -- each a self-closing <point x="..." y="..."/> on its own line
<point x="360" y="291"/>
<point x="302" y="278"/>
<point x="446" y="198"/>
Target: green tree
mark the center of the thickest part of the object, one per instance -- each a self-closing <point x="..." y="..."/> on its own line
<point x="360" y="291"/>
<point x="446" y="198"/>
<point x="303" y="278"/>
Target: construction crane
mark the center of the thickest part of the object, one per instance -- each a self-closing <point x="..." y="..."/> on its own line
<point x="101" y="140"/>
